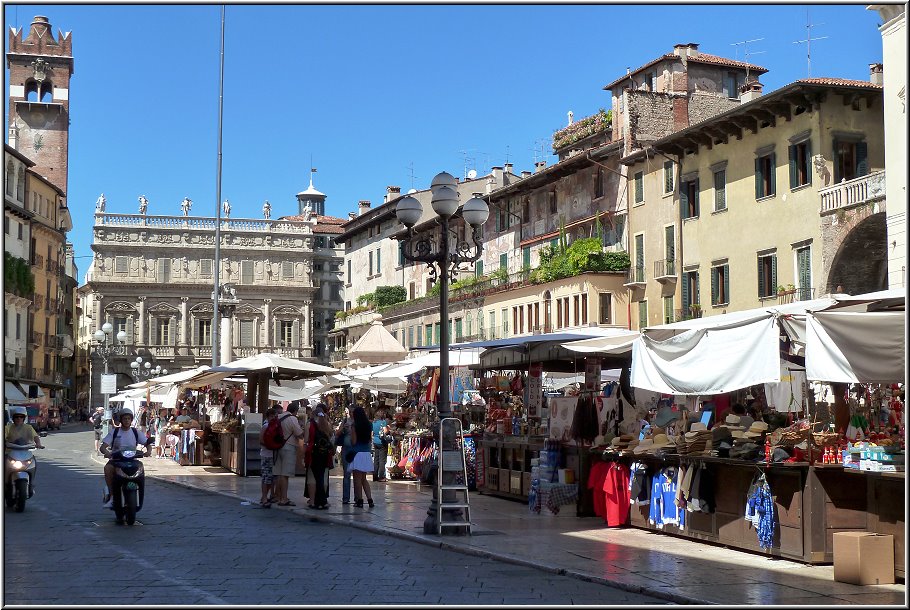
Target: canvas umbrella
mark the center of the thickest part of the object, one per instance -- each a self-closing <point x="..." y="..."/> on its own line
<point x="377" y="345"/>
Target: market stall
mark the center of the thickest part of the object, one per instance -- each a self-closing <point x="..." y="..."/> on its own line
<point x="820" y="450"/>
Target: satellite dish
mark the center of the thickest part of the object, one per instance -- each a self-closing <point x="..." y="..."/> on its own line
<point x="472" y="174"/>
<point x="411" y="191"/>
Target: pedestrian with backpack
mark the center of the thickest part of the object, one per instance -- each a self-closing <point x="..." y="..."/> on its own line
<point x="343" y="440"/>
<point x="286" y="457"/>
<point x="267" y="456"/>
<point x="98" y="425"/>
<point x="319" y="451"/>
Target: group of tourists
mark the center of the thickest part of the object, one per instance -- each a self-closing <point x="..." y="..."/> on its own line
<point x="358" y="445"/>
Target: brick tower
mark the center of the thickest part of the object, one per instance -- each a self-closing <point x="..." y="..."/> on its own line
<point x="40" y="68"/>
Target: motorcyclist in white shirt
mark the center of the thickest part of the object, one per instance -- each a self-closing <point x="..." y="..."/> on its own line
<point x="119" y="438"/>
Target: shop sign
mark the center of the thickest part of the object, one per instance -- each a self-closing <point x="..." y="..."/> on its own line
<point x="108" y="384"/>
<point x="535" y="389"/>
<point x="592" y="373"/>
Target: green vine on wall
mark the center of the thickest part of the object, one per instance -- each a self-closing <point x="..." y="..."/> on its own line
<point x="18" y="278"/>
<point x="597" y="122"/>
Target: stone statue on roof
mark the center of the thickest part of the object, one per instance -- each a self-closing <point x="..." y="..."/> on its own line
<point x="226" y="206"/>
<point x="308" y="211"/>
<point x="267" y="209"/>
<point x="100" y="203"/>
<point x="143" y="204"/>
<point x="185" y="205"/>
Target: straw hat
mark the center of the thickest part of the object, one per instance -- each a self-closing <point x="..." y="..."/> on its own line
<point x="643" y="445"/>
<point x="757" y="429"/>
<point x="660" y="440"/>
<point x="696" y="426"/>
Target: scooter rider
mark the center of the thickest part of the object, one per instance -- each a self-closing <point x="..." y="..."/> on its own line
<point x="119" y="438"/>
<point x="20" y="433"/>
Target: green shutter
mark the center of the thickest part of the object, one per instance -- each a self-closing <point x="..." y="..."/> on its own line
<point x="526" y="257"/>
<point x="685" y="293"/>
<point x="773" y="169"/>
<point x="862" y="161"/>
<point x="758" y="180"/>
<point x="808" y="161"/>
<point x="670" y="242"/>
<point x="761" y="279"/>
<point x="726" y="283"/>
<point x="697" y="289"/>
<point x="794" y="170"/>
<point x="684" y="201"/>
<point x="714" y="295"/>
<point x="478" y="269"/>
<point x="773" y="274"/>
<point x="668" y="176"/>
<point x="378" y="259"/>
<point x="153" y="331"/>
<point x="504" y="261"/>
<point x="695" y="182"/>
<point x="639" y="188"/>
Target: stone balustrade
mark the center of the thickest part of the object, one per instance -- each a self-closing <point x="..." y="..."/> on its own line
<point x="141" y="221"/>
<point x="864" y="189"/>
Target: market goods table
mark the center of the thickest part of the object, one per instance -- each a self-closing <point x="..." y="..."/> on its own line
<point x="194" y="547"/>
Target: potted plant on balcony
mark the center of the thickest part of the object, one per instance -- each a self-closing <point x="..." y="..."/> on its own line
<point x="785" y="290"/>
<point x="695" y="309"/>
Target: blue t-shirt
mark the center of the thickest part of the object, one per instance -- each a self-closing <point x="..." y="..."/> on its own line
<point x="378" y="425"/>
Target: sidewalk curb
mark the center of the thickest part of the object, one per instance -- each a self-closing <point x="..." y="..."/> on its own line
<point x="450" y="546"/>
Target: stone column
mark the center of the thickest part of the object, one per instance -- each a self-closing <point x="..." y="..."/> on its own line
<point x="306" y="331"/>
<point x="184" y="325"/>
<point x="98" y="313"/>
<point x="142" y="321"/>
<point x="226" y="336"/>
<point x="267" y="320"/>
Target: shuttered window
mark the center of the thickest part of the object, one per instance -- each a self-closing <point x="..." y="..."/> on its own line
<point x="668" y="177"/>
<point x="720" y="190"/>
<point x="370" y="267"/>
<point x="120" y="325"/>
<point x="378" y="260"/>
<point x="286" y="333"/>
<point x="246" y="272"/>
<point x="287" y="270"/>
<point x="246" y="333"/>
<point x="478" y="270"/>
<point x="767" y="275"/>
<point x="690" y="293"/>
<point x="206" y="267"/>
<point x="688" y="198"/>
<point x="164" y="331"/>
<point x="504" y="262"/>
<point x="639" y="187"/>
<point x="121" y="264"/>
<point x="850" y="159"/>
<point x="164" y="271"/>
<point x="800" y="159"/>
<point x="204" y="331"/>
<point x="804" y="273"/>
<point x="419" y="336"/>
<point x="642" y="314"/>
<point x="605" y="307"/>
<point x="720" y="284"/>
<point x="668" y="310"/>
<point x="764" y="176"/>
<point x="670" y="250"/>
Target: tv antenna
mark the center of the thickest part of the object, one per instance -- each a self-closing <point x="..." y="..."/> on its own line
<point x="808" y="41"/>
<point x="746" y="52"/>
<point x="473" y="160"/>
<point x="411" y="172"/>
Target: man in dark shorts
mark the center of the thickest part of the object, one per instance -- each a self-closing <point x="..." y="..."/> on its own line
<point x="97" y="424"/>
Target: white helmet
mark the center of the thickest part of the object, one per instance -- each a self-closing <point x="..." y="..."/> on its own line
<point x="18" y="411"/>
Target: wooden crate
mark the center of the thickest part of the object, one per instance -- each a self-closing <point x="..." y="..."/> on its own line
<point x="491" y="479"/>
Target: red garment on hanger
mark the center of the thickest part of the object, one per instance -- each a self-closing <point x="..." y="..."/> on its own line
<point x="596" y="484"/>
<point x="616" y="494"/>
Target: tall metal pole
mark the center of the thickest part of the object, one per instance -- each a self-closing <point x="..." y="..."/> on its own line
<point x="216" y="315"/>
<point x="442" y="406"/>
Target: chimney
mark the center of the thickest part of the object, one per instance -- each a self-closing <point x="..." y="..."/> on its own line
<point x="525" y="174"/>
<point x="14" y="137"/>
<point x="507" y="168"/>
<point x="491" y="184"/>
<point x="538" y="166"/>
<point x="680" y="50"/>
<point x="497" y="176"/>
<point x="750" y="91"/>
<point x="876" y="74"/>
<point x="362" y="206"/>
<point x="391" y="192"/>
<point x="692" y="49"/>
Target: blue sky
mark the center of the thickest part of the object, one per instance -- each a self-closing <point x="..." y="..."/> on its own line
<point x="374" y="94"/>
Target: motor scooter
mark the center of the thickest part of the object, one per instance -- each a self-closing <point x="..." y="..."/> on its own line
<point x="19" y="467"/>
<point x="129" y="484"/>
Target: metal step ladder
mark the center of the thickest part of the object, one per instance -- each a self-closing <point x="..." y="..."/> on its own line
<point x="453" y="507"/>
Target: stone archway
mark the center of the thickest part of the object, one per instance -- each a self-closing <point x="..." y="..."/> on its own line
<point x="860" y="263"/>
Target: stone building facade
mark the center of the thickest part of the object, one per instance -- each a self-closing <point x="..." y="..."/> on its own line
<point x="153" y="277"/>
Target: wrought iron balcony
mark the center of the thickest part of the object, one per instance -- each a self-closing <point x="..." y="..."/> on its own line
<point x="665" y="270"/>
<point x="635" y="277"/>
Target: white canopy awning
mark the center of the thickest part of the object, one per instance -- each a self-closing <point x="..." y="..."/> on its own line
<point x="12" y="393"/>
<point x="170" y="378"/>
<point x="377" y="345"/>
<point x="410" y="366"/>
<point x="856" y="347"/>
<point x="618" y="342"/>
<point x="285" y="368"/>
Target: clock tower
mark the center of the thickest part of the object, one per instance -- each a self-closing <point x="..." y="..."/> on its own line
<point x="40" y="68"/>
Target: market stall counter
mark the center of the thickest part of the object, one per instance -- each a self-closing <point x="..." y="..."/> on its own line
<point x="810" y="504"/>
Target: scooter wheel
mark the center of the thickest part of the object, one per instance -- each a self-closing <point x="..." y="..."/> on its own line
<point x="21" y="494"/>
<point x="130" y="508"/>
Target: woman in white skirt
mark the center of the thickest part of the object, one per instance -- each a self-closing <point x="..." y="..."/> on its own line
<point x="361" y="441"/>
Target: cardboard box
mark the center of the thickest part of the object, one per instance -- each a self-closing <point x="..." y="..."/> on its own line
<point x="864" y="558"/>
<point x="566" y="475"/>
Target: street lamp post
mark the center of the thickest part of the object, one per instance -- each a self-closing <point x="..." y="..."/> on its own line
<point x="144" y="370"/>
<point x="105" y="347"/>
<point x="443" y="253"/>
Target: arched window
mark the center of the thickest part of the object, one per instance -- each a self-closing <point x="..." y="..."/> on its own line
<point x="20" y="185"/>
<point x="31" y="91"/>
<point x="10" y="173"/>
<point x="47" y="95"/>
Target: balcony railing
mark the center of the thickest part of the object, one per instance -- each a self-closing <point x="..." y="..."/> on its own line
<point x="688" y="312"/>
<point x="864" y="189"/>
<point x="635" y="276"/>
<point x="36" y="338"/>
<point x="37" y="260"/>
<point x="798" y="294"/>
<point x="665" y="269"/>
